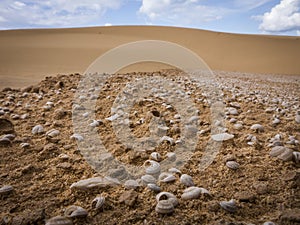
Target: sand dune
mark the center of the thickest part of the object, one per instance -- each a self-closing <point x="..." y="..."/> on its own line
<point x="26" y="56"/>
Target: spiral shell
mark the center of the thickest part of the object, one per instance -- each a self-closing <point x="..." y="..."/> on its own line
<point x="193" y="193"/>
<point x="155" y="156"/>
<point x="148" y="179"/>
<point x="75" y="211"/>
<point x="154" y="167"/>
<point x="167" y="195"/>
<point x="164" y="207"/>
<point x="229" y="206"/>
<point x="186" y="180"/>
<point x="59" y="220"/>
<point x="52" y="133"/>
<point x="98" y="202"/>
<point x="131" y="184"/>
<point x="37" y="129"/>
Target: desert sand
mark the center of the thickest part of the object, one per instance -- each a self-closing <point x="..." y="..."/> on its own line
<point x="27" y="56"/>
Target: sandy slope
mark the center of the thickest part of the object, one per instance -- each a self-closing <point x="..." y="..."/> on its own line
<point x="26" y="56"/>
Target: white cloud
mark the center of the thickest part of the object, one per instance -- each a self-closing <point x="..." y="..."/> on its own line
<point x="54" y="13"/>
<point x="283" y="17"/>
<point x="180" y="12"/>
<point x="249" y="4"/>
<point x="108" y="24"/>
<point x="298" y="32"/>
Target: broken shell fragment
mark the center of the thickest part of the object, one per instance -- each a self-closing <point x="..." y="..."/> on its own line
<point x="222" y="137"/>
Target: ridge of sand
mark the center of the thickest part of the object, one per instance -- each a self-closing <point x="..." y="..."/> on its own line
<point x="27" y="56"/>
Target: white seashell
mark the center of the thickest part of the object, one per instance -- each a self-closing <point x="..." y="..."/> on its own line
<point x="232" y="165"/>
<point x="232" y="111"/>
<point x="168" y="139"/>
<point x="59" y="220"/>
<point x="77" y="137"/>
<point x="24" y="145"/>
<point x="131" y="184"/>
<point x="154" y="187"/>
<point x="94" y="182"/>
<point x="154" y="167"/>
<point x="98" y="202"/>
<point x="75" y="211"/>
<point x="238" y="126"/>
<point x="277" y="150"/>
<point x="167" y="178"/>
<point x="37" y="129"/>
<point x="191" y="193"/>
<point x="9" y="136"/>
<point x="296" y="157"/>
<point x="229" y="206"/>
<point x="276" y="121"/>
<point x="4" y="141"/>
<point x="52" y="133"/>
<point x="156" y="156"/>
<point x="257" y="128"/>
<point x="148" y="179"/>
<point x="6" y="189"/>
<point x="222" y="137"/>
<point x="164" y="207"/>
<point x="174" y="170"/>
<point x="186" y="180"/>
<point x="167" y="195"/>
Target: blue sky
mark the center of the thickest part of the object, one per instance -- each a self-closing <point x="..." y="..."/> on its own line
<point x="244" y="16"/>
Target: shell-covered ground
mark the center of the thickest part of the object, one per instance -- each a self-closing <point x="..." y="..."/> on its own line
<point x="41" y="167"/>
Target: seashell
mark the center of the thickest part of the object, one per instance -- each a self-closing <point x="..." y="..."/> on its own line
<point x="77" y="137"/>
<point x="222" y="137"/>
<point x="191" y="193"/>
<point x="296" y="157"/>
<point x="232" y="111"/>
<point x="186" y="180"/>
<point x="37" y="129"/>
<point x="6" y="189"/>
<point x="154" y="167"/>
<point x="164" y="207"/>
<point x="131" y="184"/>
<point x="98" y="202"/>
<point x="167" y="195"/>
<point x="287" y="155"/>
<point x="232" y="165"/>
<point x="52" y="133"/>
<point x="59" y="220"/>
<point x="168" y="139"/>
<point x="24" y="145"/>
<point x="229" y="206"/>
<point x="277" y="150"/>
<point x="232" y="120"/>
<point x="113" y="117"/>
<point x="174" y="170"/>
<point x="4" y="141"/>
<point x="148" y="179"/>
<point x="257" y="128"/>
<point x="75" y="211"/>
<point x="276" y="121"/>
<point x="167" y="177"/>
<point x="156" y="156"/>
<point x="154" y="187"/>
<point x="94" y="182"/>
<point x="238" y="126"/>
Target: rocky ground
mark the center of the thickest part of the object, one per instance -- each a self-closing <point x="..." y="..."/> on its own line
<point x="254" y="178"/>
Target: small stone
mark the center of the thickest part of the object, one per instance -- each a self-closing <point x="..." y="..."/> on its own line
<point x="245" y="196"/>
<point x="261" y="188"/>
<point x="232" y="165"/>
<point x="6" y="127"/>
<point x="222" y="137"/>
<point x="290" y="216"/>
